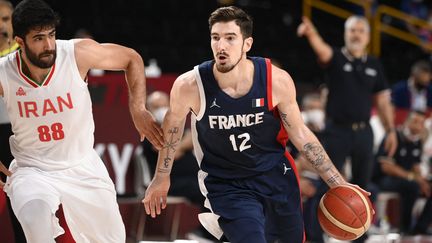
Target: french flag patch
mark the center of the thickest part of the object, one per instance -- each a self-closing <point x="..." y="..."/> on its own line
<point x="258" y="102"/>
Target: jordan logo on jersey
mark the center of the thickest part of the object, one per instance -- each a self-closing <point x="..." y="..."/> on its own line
<point x="285" y="168"/>
<point x="21" y="92"/>
<point x="214" y="104"/>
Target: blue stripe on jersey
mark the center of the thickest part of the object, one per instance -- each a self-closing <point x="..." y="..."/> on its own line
<point x="238" y="136"/>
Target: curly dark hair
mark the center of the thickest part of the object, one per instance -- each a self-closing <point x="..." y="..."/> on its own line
<point x="32" y="15"/>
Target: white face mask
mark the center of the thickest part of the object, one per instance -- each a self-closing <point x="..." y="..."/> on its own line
<point x="159" y="114"/>
<point x="412" y="137"/>
<point x="314" y="117"/>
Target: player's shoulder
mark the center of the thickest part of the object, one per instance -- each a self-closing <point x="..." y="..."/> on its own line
<point x="280" y="76"/>
<point x="186" y="81"/>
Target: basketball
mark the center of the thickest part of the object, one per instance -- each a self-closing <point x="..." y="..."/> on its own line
<point x="345" y="213"/>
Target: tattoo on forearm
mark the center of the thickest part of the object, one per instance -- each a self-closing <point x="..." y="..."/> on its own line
<point x="284" y="119"/>
<point x="163" y="170"/>
<point x="333" y="179"/>
<point x="167" y="161"/>
<point x="317" y="157"/>
<point x="315" y="154"/>
<point x="170" y="145"/>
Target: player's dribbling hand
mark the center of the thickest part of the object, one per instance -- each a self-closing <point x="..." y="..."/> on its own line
<point x="148" y="127"/>
<point x="5" y="171"/>
<point x="366" y="193"/>
<point x="156" y="195"/>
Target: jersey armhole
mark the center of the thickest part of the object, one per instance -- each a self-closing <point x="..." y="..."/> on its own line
<point x="269" y="84"/>
<point x="72" y="59"/>
<point x="201" y="94"/>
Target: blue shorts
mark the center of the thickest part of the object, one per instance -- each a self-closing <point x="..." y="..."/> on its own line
<point x="263" y="208"/>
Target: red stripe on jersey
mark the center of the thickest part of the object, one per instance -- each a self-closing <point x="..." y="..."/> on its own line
<point x="27" y="79"/>
<point x="48" y="79"/>
<point x="22" y="74"/>
<point x="269" y="84"/>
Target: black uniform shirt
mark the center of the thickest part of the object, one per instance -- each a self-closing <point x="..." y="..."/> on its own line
<point x="352" y="82"/>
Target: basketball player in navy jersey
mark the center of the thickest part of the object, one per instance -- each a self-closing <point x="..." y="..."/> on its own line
<point x="243" y="109"/>
<point x="48" y="102"/>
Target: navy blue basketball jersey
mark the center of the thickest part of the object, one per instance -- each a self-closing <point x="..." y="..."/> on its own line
<point x="237" y="137"/>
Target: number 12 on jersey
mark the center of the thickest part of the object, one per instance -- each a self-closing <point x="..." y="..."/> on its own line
<point x="243" y="139"/>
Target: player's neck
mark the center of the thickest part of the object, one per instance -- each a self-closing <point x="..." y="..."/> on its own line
<point x="356" y="53"/>
<point x="37" y="74"/>
<point x="240" y="72"/>
<point x="238" y="81"/>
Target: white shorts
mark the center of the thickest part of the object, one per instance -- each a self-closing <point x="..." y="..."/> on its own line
<point x="86" y="193"/>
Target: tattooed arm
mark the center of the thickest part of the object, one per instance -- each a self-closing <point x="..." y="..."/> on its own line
<point x="184" y="97"/>
<point x="284" y="97"/>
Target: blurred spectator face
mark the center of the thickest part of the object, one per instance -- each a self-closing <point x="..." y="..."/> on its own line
<point x="422" y="79"/>
<point x="415" y="127"/>
<point x="157" y="104"/>
<point x="228" y="45"/>
<point x="356" y="35"/>
<point x="313" y="113"/>
<point x="5" y="23"/>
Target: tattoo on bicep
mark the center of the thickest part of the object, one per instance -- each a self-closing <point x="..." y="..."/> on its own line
<point x="284" y="118"/>
<point x="315" y="154"/>
<point x="170" y="146"/>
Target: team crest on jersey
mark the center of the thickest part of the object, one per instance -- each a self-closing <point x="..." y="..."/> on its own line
<point x="21" y="92"/>
<point x="258" y="102"/>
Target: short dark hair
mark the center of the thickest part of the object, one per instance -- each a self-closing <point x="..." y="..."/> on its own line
<point x="33" y="14"/>
<point x="421" y="66"/>
<point x="226" y="14"/>
<point x="416" y="112"/>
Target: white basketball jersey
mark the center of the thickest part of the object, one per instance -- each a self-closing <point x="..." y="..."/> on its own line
<point x="52" y="122"/>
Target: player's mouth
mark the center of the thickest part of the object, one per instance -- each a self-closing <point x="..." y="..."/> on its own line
<point x="222" y="58"/>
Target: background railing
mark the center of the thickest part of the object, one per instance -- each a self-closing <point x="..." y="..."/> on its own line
<point x="376" y="19"/>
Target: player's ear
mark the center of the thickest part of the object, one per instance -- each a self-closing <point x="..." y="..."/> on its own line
<point x="247" y="44"/>
<point x="20" y="41"/>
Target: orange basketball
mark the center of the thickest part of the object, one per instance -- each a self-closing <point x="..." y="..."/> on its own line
<point x="345" y="213"/>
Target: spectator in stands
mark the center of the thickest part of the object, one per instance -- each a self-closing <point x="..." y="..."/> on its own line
<point x="7" y="45"/>
<point x="401" y="172"/>
<point x="416" y="92"/>
<point x="83" y="33"/>
<point x="355" y="79"/>
<point x="422" y="10"/>
<point x="313" y="112"/>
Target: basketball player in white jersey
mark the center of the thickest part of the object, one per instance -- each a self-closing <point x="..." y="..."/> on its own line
<point x="51" y="114"/>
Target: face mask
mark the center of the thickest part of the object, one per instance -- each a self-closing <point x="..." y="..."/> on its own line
<point x="159" y="114"/>
<point x="314" y="117"/>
